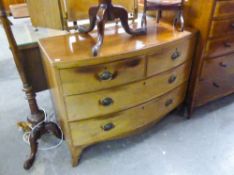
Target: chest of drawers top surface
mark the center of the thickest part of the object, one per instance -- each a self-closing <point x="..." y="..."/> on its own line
<point x="75" y="49"/>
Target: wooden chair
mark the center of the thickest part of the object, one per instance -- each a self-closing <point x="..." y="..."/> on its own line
<point x="160" y="5"/>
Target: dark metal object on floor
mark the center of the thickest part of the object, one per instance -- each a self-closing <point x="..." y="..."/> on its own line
<point x="37" y="116"/>
<point x="102" y="13"/>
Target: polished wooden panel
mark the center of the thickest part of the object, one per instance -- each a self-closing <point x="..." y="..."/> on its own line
<point x="78" y="9"/>
<point x="126" y="121"/>
<point x="219" y="47"/>
<point x="75" y="50"/>
<point x="171" y="56"/>
<point x="224" y="8"/>
<point x="88" y="105"/>
<point x="33" y="68"/>
<point x="45" y="13"/>
<point x="222" y="28"/>
<point x="75" y="80"/>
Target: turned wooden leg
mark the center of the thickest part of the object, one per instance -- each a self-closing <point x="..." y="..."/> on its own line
<point x="143" y="20"/>
<point x="122" y="14"/>
<point x="45" y="127"/>
<point x="34" y="136"/>
<point x="159" y="15"/>
<point x="100" y="27"/>
<point x="92" y="17"/>
<point x="53" y="128"/>
<point x="179" y="19"/>
<point x="76" y="154"/>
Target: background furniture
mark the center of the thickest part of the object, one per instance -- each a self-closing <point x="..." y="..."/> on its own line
<point x="37" y="116"/>
<point x="133" y="83"/>
<point x="213" y="75"/>
<point x="19" y="10"/>
<point x="55" y="13"/>
<point x="161" y="5"/>
<point x="7" y="3"/>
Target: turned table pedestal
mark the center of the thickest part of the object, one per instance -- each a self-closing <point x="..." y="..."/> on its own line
<point x="102" y="13"/>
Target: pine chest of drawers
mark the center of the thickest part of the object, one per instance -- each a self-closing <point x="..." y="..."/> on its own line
<point x="213" y="73"/>
<point x="132" y="84"/>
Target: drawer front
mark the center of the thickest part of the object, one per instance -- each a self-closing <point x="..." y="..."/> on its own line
<point x="170" y="57"/>
<point x="217" y="79"/>
<point x="222" y="28"/>
<point x="92" y="78"/>
<point x="218" y="47"/>
<point x="123" y="97"/>
<point x="120" y="124"/>
<point x="212" y="89"/>
<point x="224" y="9"/>
<point x="218" y="68"/>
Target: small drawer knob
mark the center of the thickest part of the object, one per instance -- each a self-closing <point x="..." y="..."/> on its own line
<point x="223" y="64"/>
<point x="106" y="101"/>
<point x="106" y="75"/>
<point x="108" y="126"/>
<point x="216" y="85"/>
<point x="169" y="102"/>
<point x="172" y="79"/>
<point x="227" y="44"/>
<point x="175" y="55"/>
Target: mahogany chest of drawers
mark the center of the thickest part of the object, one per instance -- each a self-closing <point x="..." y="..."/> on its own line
<point x="132" y="84"/>
<point x="213" y="72"/>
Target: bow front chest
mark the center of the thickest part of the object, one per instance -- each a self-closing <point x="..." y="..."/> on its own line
<point x="133" y="83"/>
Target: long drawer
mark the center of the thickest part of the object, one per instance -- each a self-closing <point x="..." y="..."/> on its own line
<point x="222" y="27"/>
<point x="211" y="89"/>
<point x="218" y="68"/>
<point x="123" y="97"/>
<point x="219" y="47"/>
<point x="92" y="78"/>
<point x="224" y="8"/>
<point x="217" y="79"/>
<point x="115" y="125"/>
<point x="169" y="57"/>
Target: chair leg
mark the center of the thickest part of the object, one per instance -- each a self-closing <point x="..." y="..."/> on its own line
<point x="179" y="18"/>
<point x="159" y="15"/>
<point x="143" y="20"/>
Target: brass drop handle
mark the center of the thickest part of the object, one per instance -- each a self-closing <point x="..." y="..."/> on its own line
<point x="172" y="79"/>
<point x="223" y="64"/>
<point x="169" y="102"/>
<point x="106" y="101"/>
<point x="108" y="127"/>
<point x="175" y="55"/>
<point x="216" y="85"/>
<point x="106" y="75"/>
<point x="227" y="44"/>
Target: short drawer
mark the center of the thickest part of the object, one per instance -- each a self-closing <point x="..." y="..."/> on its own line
<point x="218" y="68"/>
<point x="119" y="124"/>
<point x="112" y="100"/>
<point x="92" y="78"/>
<point x="170" y="57"/>
<point x="222" y="27"/>
<point x="219" y="47"/>
<point x="224" y="8"/>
